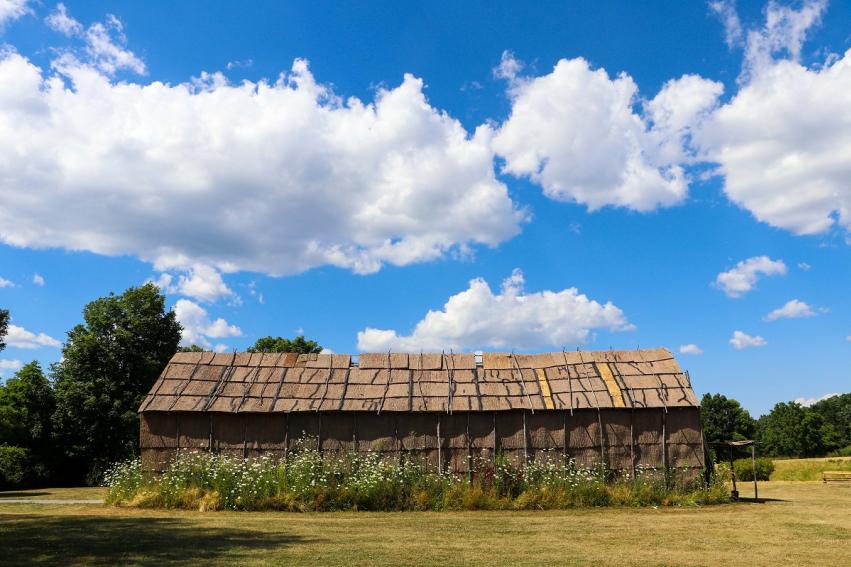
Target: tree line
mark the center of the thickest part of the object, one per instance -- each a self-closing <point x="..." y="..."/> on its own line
<point x="68" y="424"/>
<point x="788" y="430"/>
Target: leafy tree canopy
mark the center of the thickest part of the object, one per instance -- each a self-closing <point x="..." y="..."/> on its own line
<point x="192" y="348"/>
<point x="26" y="408"/>
<point x="836" y="412"/>
<point x="4" y="327"/>
<point x="790" y="430"/>
<point x="725" y="419"/>
<point x="280" y="344"/>
<point x="109" y="363"/>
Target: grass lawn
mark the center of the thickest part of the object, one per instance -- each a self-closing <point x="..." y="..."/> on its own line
<point x="808" y="469"/>
<point x="805" y="523"/>
<point x="76" y="493"/>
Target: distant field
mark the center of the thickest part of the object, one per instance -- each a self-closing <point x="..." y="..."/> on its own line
<point x="808" y="469"/>
<point x="805" y="523"/>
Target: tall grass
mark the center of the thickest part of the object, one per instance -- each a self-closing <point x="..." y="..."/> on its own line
<point x="306" y="480"/>
<point x="808" y="469"/>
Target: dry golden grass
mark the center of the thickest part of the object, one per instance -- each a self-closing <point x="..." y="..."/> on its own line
<point x="808" y="469"/>
<point x="805" y="523"/>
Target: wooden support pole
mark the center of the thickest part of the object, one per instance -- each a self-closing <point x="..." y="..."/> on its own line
<point x="469" y="450"/>
<point x="355" y="431"/>
<point x="632" y="441"/>
<point x="244" y="439"/>
<point x="495" y="438"/>
<point x="210" y="445"/>
<point x="525" y="440"/>
<point x="439" y="448"/>
<point x="286" y="434"/>
<point x="753" y="464"/>
<point x="665" y="446"/>
<point x="319" y="432"/>
<point x="733" y="475"/>
<point x="177" y="417"/>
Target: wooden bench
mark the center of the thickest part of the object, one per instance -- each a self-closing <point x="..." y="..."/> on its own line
<point x="836" y="476"/>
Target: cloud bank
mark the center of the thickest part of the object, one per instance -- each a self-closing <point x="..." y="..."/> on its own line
<point x="478" y="318"/>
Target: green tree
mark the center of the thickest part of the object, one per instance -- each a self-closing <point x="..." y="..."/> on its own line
<point x="192" y="348"/>
<point x="109" y="363"/>
<point x="725" y="419"/>
<point x="4" y="327"/>
<point x="280" y="344"/>
<point x="836" y="412"/>
<point x="26" y="409"/>
<point x="791" y="430"/>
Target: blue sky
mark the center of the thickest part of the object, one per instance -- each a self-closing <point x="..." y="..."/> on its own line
<point x="485" y="176"/>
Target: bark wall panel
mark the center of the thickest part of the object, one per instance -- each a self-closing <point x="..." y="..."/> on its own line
<point x="158" y="430"/>
<point x="194" y="430"/>
<point x="405" y="435"/>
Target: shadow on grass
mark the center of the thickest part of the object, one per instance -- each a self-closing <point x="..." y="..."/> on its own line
<point x="22" y="494"/>
<point x="57" y="540"/>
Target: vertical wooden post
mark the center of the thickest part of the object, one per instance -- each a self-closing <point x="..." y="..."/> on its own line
<point x="753" y="464"/>
<point x="632" y="441"/>
<point x="525" y="440"/>
<point x="439" y="448"/>
<point x="396" y="438"/>
<point x="178" y="433"/>
<point x="469" y="451"/>
<point x="319" y="433"/>
<point x="210" y="446"/>
<point x="355" y="431"/>
<point x="244" y="439"/>
<point x="665" y="446"/>
<point x="495" y="439"/>
<point x="733" y="475"/>
<point x="286" y="434"/>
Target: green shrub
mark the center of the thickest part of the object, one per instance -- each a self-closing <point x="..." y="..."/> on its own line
<point x="844" y="452"/>
<point x="307" y="480"/>
<point x="745" y="468"/>
<point x="14" y="466"/>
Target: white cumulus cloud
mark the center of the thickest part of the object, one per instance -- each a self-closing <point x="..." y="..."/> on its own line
<point x="19" y="337"/>
<point x="60" y="20"/>
<point x="11" y="10"/>
<point x="38" y="280"/>
<point x="782" y="142"/>
<point x="792" y="309"/>
<point x="270" y="177"/>
<point x="8" y="366"/>
<point x="6" y="283"/>
<point x="726" y="12"/>
<point x="807" y="402"/>
<point x="198" y="327"/>
<point x="512" y="318"/>
<point x="105" y="45"/>
<point x="743" y="277"/>
<point x="575" y="132"/>
<point x="690" y="348"/>
<point x="741" y="340"/>
<point x="199" y="281"/>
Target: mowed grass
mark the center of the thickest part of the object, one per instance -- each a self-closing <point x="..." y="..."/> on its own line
<point x="808" y="469"/>
<point x="75" y="493"/>
<point x="804" y="523"/>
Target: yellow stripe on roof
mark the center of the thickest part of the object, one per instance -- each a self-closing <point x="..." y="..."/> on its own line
<point x="545" y="388"/>
<point x="611" y="385"/>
